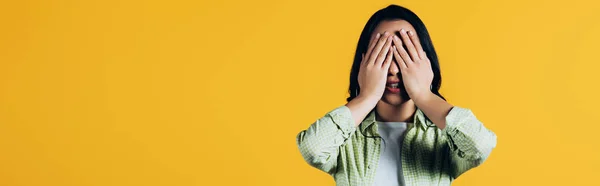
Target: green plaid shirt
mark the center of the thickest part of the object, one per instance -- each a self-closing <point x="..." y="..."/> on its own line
<point x="430" y="156"/>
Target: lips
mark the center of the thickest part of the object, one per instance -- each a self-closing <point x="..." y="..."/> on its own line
<point x="393" y="86"/>
<point x="394" y="90"/>
<point x="390" y="82"/>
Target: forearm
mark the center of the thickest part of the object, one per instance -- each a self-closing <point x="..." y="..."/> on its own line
<point x="469" y="141"/>
<point x="360" y="108"/>
<point x="320" y="142"/>
<point x="434" y="107"/>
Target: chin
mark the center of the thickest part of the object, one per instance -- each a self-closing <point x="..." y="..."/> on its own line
<point x="395" y="99"/>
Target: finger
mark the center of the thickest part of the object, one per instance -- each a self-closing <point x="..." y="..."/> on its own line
<point x="415" y="40"/>
<point x="397" y="43"/>
<point x="375" y="53"/>
<point x="388" y="59"/>
<point x="384" y="51"/>
<point x="372" y="43"/>
<point x="399" y="59"/>
<point x="426" y="62"/>
<point x="404" y="55"/>
<point x="362" y="59"/>
<point x="409" y="45"/>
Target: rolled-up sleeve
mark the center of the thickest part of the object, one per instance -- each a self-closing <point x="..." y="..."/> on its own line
<point x="319" y="143"/>
<point x="470" y="142"/>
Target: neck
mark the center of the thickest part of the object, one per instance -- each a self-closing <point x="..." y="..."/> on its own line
<point x="403" y="112"/>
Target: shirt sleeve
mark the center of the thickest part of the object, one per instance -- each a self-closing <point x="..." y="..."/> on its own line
<point x="319" y="143"/>
<point x="470" y="142"/>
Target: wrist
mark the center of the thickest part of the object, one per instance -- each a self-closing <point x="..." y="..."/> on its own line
<point x="367" y="100"/>
<point x="422" y="98"/>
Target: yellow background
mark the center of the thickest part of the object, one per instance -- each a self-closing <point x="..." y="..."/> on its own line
<point x="214" y="92"/>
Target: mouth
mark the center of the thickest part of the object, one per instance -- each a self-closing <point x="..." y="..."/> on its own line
<point x="393" y="86"/>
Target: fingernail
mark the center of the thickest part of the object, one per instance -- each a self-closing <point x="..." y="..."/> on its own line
<point x="378" y="34"/>
<point x="396" y="37"/>
<point x="386" y="33"/>
<point x="411" y="33"/>
<point x="402" y="30"/>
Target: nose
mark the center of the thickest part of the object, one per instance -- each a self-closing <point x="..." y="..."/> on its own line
<point x="394" y="68"/>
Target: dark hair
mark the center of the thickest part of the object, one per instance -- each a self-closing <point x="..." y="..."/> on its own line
<point x="395" y="12"/>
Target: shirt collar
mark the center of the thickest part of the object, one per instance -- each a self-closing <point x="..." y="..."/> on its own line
<point x="369" y="125"/>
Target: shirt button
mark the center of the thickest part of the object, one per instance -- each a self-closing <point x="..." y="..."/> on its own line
<point x="461" y="154"/>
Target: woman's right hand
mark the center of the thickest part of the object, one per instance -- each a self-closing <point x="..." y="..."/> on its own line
<point x="372" y="76"/>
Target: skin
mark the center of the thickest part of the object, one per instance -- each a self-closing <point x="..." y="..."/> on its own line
<point x="383" y="60"/>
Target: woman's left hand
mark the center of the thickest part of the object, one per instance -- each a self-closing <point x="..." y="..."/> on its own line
<point x="415" y="67"/>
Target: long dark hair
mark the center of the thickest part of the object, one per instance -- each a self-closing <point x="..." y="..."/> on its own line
<point x="395" y="12"/>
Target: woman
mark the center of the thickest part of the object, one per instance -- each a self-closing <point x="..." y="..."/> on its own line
<point x="396" y="128"/>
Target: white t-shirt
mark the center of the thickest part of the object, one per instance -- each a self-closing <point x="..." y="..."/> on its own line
<point x="389" y="170"/>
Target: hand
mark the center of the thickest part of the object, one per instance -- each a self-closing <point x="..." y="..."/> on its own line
<point x="415" y="67"/>
<point x="374" y="66"/>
